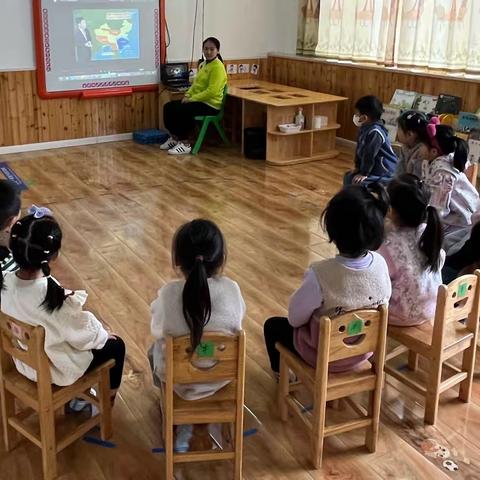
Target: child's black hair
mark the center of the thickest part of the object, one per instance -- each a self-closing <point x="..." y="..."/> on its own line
<point x="10" y="202"/>
<point x="450" y="143"/>
<point x="416" y="122"/>
<point x="354" y="219"/>
<point x="198" y="248"/>
<point x="370" y="106"/>
<point x="409" y="199"/>
<point x="34" y="242"/>
<point x="216" y="42"/>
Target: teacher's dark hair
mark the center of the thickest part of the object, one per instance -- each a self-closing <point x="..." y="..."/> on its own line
<point x="216" y="42"/>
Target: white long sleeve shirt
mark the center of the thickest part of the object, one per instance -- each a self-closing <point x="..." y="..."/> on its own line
<point x="228" y="310"/>
<point x="70" y="332"/>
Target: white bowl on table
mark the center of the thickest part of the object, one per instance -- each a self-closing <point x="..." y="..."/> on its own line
<point x="289" y="128"/>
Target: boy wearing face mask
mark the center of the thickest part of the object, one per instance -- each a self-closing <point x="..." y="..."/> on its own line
<point x="375" y="160"/>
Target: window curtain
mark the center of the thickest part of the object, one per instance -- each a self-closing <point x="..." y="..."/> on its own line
<point x="308" y="16"/>
<point x="442" y="34"/>
<point x="358" y="30"/>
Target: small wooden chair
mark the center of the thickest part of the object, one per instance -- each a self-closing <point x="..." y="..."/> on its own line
<point x="371" y="325"/>
<point x="440" y="341"/>
<point x="226" y="361"/>
<point x="26" y="344"/>
<point x="216" y="120"/>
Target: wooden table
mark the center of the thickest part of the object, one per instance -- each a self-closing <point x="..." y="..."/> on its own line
<point x="267" y="105"/>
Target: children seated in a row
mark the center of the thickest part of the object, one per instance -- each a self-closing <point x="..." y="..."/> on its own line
<point x="75" y="340"/>
<point x="356" y="278"/>
<point x="375" y="160"/>
<point x="202" y="300"/>
<point x="429" y="150"/>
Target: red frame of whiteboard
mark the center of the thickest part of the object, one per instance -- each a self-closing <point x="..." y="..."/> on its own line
<point x="87" y="93"/>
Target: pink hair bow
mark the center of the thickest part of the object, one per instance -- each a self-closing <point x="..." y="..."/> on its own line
<point x="432" y="127"/>
<point x="432" y="132"/>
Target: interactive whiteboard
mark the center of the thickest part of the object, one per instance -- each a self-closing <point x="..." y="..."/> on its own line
<point x="97" y="48"/>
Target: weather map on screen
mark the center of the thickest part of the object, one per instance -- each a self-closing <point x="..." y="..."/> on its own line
<point x="106" y="34"/>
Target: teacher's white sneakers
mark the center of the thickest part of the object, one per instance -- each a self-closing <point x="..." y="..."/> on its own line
<point x="168" y="144"/>
<point x="176" y="148"/>
<point x="180" y="149"/>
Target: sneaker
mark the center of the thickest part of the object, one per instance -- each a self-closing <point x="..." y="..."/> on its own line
<point x="77" y="405"/>
<point x="182" y="439"/>
<point x="168" y="144"/>
<point x="180" y="149"/>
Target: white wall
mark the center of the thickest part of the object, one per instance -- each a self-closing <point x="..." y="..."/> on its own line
<point x="246" y="29"/>
<point x="16" y="35"/>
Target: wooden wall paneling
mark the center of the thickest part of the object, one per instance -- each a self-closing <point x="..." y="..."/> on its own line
<point x="355" y="81"/>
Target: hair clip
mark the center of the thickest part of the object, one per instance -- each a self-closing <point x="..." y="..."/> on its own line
<point x="50" y="237"/>
<point x="46" y="251"/>
<point x="13" y="235"/>
<point x="39" y="212"/>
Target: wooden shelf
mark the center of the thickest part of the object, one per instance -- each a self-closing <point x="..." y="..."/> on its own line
<point x="303" y="159"/>
<point x="282" y="134"/>
<point x="333" y="126"/>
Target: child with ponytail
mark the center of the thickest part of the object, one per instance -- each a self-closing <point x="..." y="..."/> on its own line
<point x="413" y="252"/>
<point x="453" y="195"/>
<point x="204" y="300"/>
<point x="75" y="340"/>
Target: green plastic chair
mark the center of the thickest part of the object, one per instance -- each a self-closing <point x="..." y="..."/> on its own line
<point x="216" y="120"/>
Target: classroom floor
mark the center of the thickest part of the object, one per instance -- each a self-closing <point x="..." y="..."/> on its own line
<point x="119" y="205"/>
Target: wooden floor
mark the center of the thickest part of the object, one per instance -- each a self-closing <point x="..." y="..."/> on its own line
<point x="119" y="205"/>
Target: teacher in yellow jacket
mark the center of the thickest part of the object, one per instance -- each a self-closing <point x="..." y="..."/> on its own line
<point x="204" y="97"/>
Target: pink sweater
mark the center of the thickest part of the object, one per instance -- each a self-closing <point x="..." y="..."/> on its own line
<point x="414" y="287"/>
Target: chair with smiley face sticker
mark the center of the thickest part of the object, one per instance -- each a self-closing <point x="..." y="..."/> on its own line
<point x="454" y="331"/>
<point x="355" y="333"/>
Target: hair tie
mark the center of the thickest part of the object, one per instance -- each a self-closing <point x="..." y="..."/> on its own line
<point x="199" y="257"/>
<point x="45" y="262"/>
<point x="39" y="212"/>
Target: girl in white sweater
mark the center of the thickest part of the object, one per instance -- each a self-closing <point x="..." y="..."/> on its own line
<point x="75" y="341"/>
<point x="203" y="301"/>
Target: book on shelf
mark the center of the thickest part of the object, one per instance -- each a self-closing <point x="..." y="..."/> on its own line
<point x="390" y="118"/>
<point x="468" y="121"/>
<point x="403" y="99"/>
<point x="425" y="103"/>
<point x="448" y="104"/>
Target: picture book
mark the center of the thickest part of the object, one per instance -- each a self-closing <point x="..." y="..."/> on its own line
<point x="425" y="103"/>
<point x="448" y="104"/>
<point x="468" y="121"/>
<point x="403" y="99"/>
<point x="390" y="116"/>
